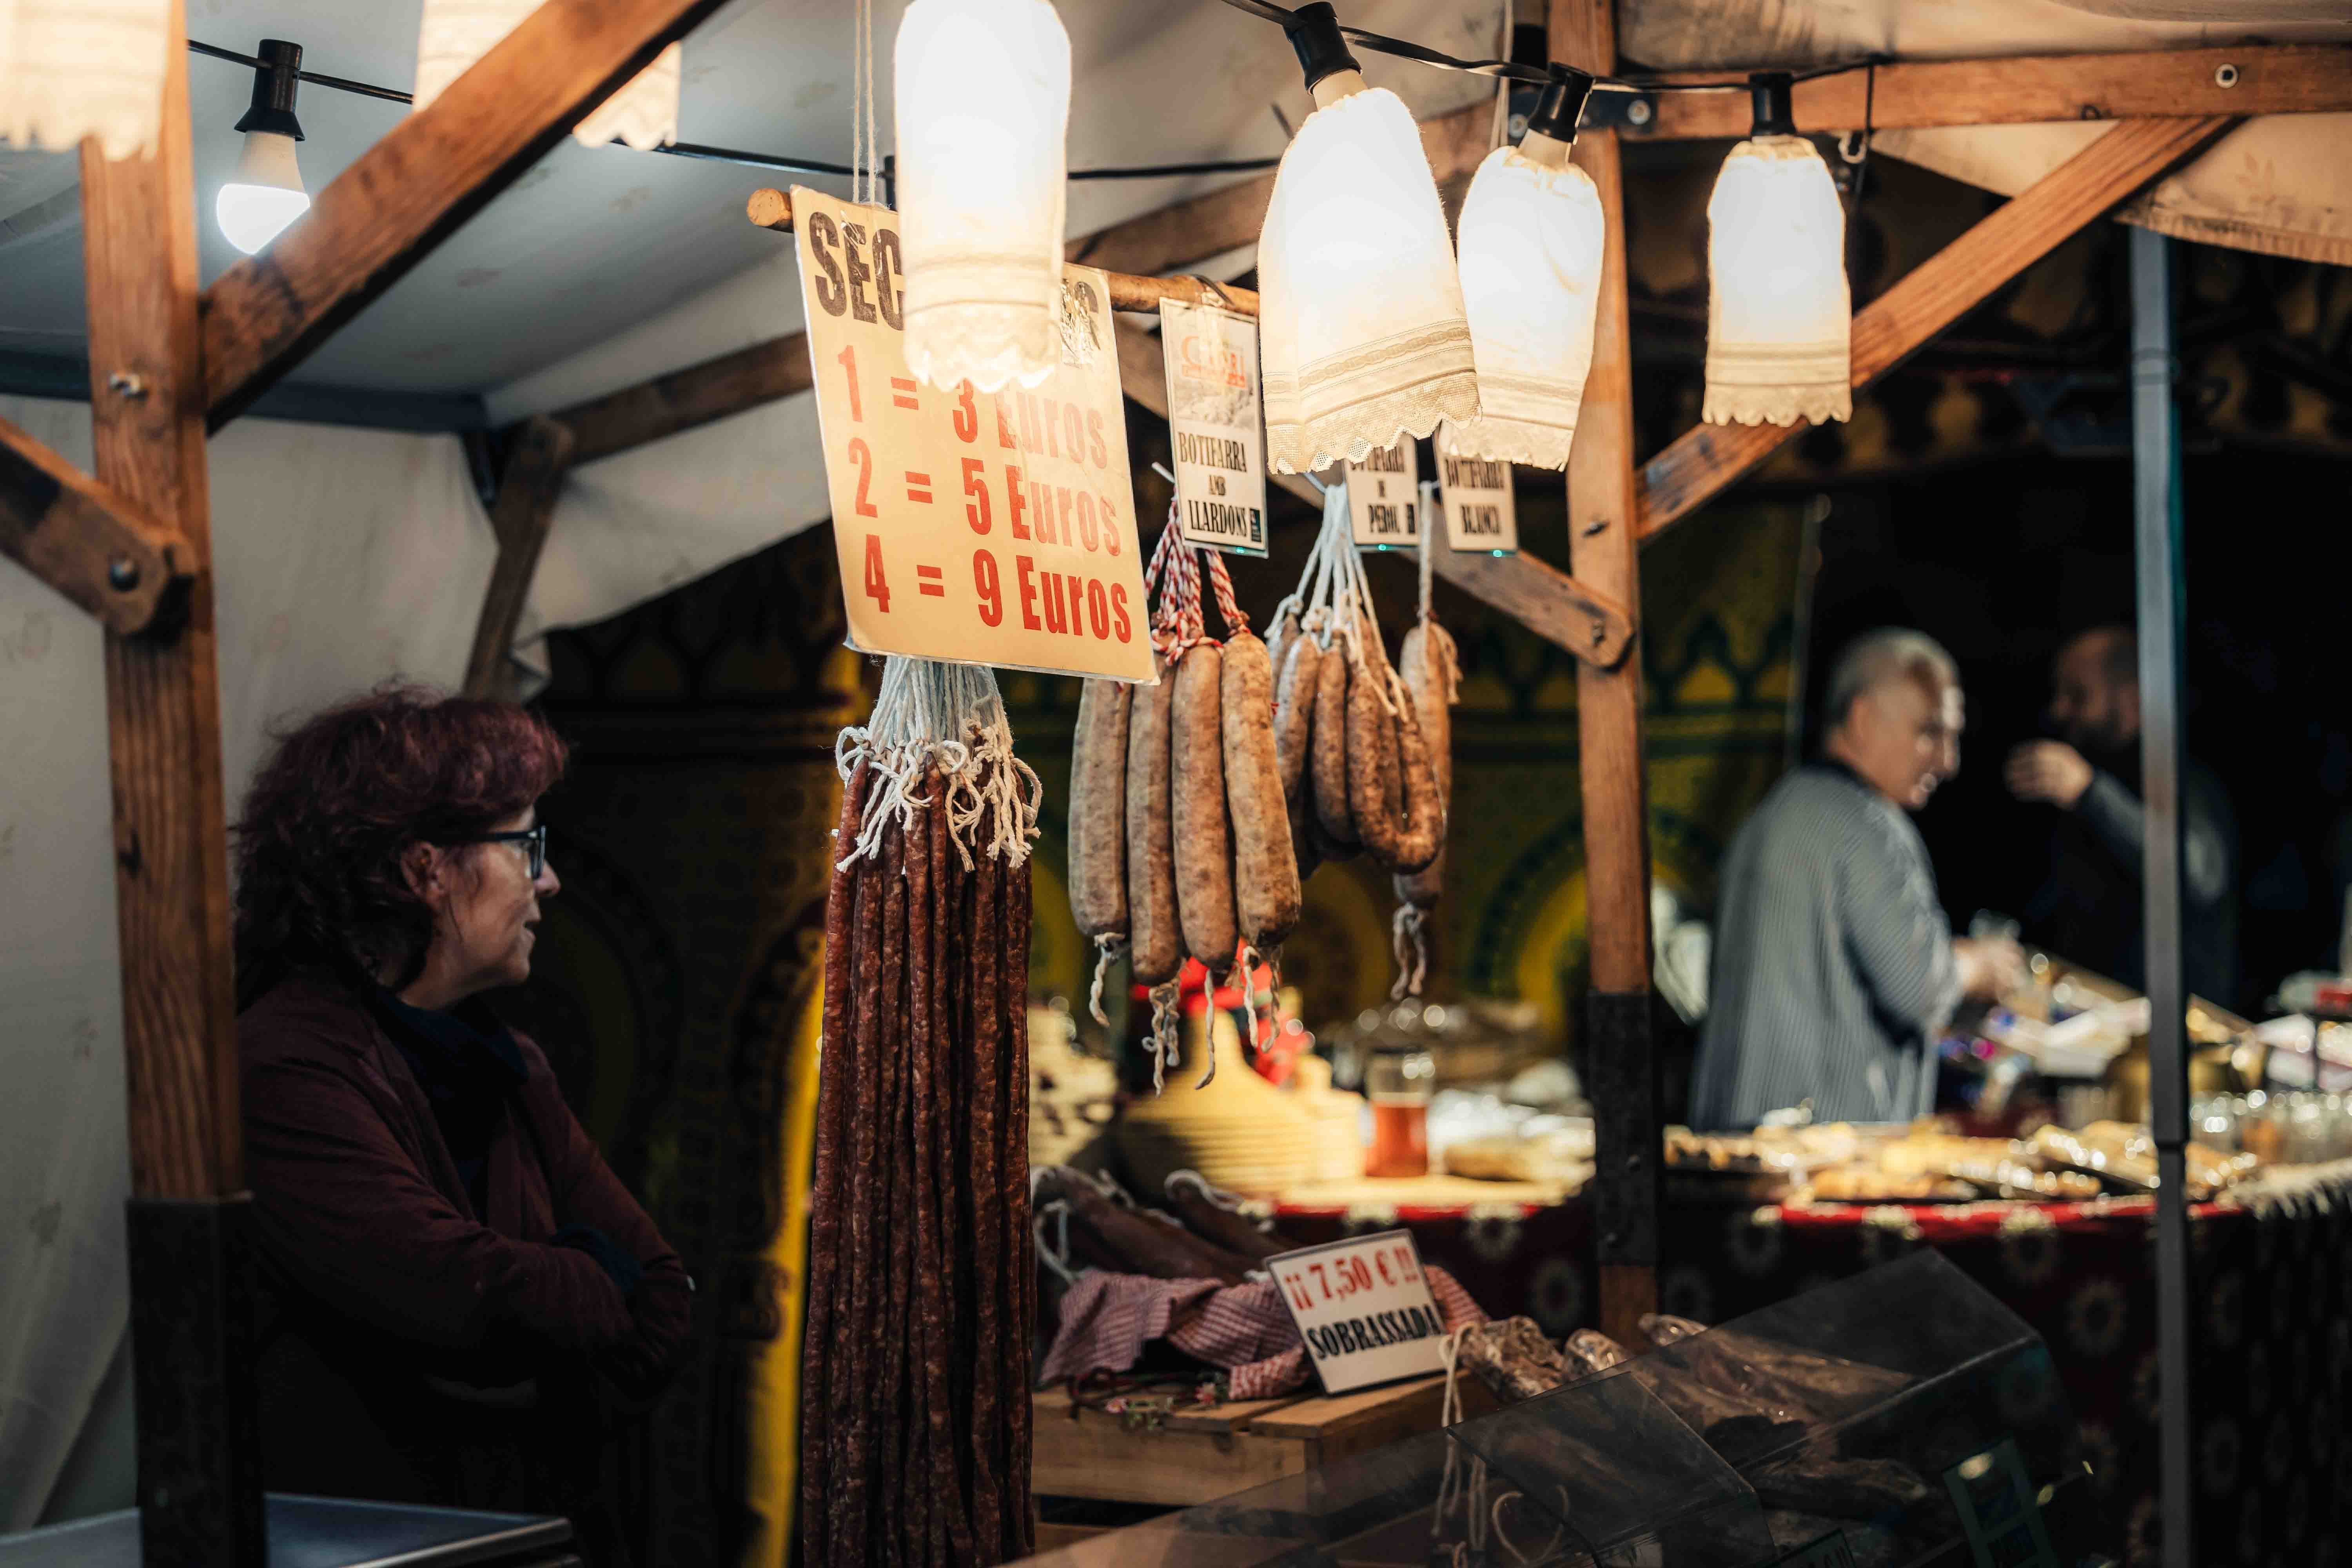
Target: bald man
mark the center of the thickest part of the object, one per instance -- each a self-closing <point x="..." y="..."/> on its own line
<point x="1834" y="968"/>
<point x="2089" y="907"/>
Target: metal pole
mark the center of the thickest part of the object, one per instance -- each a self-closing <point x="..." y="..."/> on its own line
<point x="2155" y="529"/>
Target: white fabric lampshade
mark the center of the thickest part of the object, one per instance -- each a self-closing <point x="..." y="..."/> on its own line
<point x="455" y="33"/>
<point x="1779" y="316"/>
<point x="1363" y="339"/>
<point x="982" y="91"/>
<point x="1530" y="244"/>
<point x="72" y="69"/>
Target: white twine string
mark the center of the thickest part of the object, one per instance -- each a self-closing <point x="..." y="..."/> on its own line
<point x="948" y="718"/>
<point x="1408" y="930"/>
<point x="1167" y="1029"/>
<point x="1450" y="1484"/>
<point x="1107" y="949"/>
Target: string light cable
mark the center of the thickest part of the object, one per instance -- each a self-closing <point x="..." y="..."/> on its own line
<point x="1525" y="75"/>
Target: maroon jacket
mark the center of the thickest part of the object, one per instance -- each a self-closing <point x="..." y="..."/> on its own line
<point x="410" y="1348"/>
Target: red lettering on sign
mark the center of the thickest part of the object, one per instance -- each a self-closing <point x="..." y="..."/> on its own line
<point x="1074" y="431"/>
<point x="1087" y="534"/>
<point x="1098" y="610"/>
<point x="1053" y="617"/>
<point x="1027" y="573"/>
<point x="1041" y="503"/>
<point x="1120" y="626"/>
<point x="1032" y="441"/>
<point x="1019" y="503"/>
<point x="983" y="579"/>
<point x="1110" y="530"/>
<point x="975" y="488"/>
<point x="1094" y="447"/>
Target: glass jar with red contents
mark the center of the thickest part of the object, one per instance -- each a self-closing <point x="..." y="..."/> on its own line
<point x="1397" y="1080"/>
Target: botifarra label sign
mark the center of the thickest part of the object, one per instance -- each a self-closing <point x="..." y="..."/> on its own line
<point x="1215" y="426"/>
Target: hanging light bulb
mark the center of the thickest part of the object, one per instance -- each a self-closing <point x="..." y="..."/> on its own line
<point x="1361" y="329"/>
<point x="1531" y="233"/>
<point x="265" y="191"/>
<point x="72" y="69"/>
<point x="1779" y="315"/>
<point x="454" y="34"/>
<point x="982" y="89"/>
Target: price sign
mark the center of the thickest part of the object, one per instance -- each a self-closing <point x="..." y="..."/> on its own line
<point x="1215" y="426"/>
<point x="981" y="528"/>
<point x="1364" y="1309"/>
<point x="1384" y="499"/>
<point x="1481" y="513"/>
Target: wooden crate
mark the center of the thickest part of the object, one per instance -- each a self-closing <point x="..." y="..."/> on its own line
<point x="1199" y="1455"/>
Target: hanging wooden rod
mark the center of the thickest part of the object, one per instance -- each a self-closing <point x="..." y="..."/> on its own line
<point x="771" y="209"/>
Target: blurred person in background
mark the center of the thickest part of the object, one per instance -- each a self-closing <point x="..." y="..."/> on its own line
<point x="2088" y="908"/>
<point x="1834" y="970"/>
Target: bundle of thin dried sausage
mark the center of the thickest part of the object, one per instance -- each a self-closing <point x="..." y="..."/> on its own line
<point x="915" y="1411"/>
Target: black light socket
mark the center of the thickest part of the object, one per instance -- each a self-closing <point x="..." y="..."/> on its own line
<point x="1772" y="96"/>
<point x="1314" y="32"/>
<point x="275" y="83"/>
<point x="1562" y="104"/>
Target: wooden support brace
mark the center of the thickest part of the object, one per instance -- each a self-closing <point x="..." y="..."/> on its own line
<point x="415" y="188"/>
<point x="521" y="515"/>
<point x="1602" y="508"/>
<point x="199" y="1461"/>
<point x="115" y="559"/>
<point x="2292" y="79"/>
<point x="1595" y="628"/>
<point x="1936" y="293"/>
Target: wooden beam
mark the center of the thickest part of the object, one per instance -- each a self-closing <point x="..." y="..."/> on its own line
<point x="1594" y="626"/>
<point x="521" y="515"/>
<point x="1602" y="507"/>
<point x="2292" y="79"/>
<point x="116" y="560"/>
<point x="424" y="178"/>
<point x="697" y="395"/>
<point x="1936" y="293"/>
<point x="199" y="1480"/>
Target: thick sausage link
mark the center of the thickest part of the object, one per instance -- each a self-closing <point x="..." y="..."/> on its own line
<point x="1205" y="841"/>
<point x="1374" y="793"/>
<point x="1155" y="943"/>
<point x="1265" y="868"/>
<point x="1427" y="667"/>
<point x="1099" y="809"/>
<point x="1420" y="833"/>
<point x="1329" y="746"/>
<point x="1294" y="714"/>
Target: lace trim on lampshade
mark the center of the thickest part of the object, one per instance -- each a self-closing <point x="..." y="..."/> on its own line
<point x="1524" y="419"/>
<point x="643" y="114"/>
<point x="986" y="317"/>
<point x="454" y="34"/>
<point x="1352" y="404"/>
<point x="1537" y="444"/>
<point x="72" y="69"/>
<point x="1779" y="385"/>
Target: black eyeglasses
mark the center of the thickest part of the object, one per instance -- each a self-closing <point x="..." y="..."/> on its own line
<point x="533" y="839"/>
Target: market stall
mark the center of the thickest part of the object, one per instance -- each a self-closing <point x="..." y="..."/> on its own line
<point x="969" y="386"/>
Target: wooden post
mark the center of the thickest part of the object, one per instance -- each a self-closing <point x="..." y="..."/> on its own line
<point x="1621" y="1063"/>
<point x="520" y="517"/>
<point x="199" y="1485"/>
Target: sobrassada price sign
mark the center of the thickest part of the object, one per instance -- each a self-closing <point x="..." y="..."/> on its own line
<point x="1364" y="1309"/>
<point x="976" y="527"/>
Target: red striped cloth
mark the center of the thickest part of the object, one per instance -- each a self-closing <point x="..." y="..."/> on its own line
<point x="1108" y="1318"/>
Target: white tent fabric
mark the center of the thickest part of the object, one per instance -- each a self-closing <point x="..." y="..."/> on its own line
<point x="2279" y="183"/>
<point x="345" y="558"/>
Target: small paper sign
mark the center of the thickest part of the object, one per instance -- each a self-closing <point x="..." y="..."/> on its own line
<point x="1215" y="426"/>
<point x="1481" y="513"/>
<point x="1364" y="1309"/>
<point x="1997" y="1510"/>
<point x="981" y="528"/>
<point x="1384" y="499"/>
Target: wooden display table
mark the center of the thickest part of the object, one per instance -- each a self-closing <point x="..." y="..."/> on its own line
<point x="1200" y="1455"/>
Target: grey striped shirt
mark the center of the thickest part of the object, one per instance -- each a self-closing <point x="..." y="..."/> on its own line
<point x="1833" y="970"/>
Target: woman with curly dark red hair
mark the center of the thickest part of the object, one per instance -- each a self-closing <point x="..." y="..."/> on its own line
<point x="459" y="1298"/>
